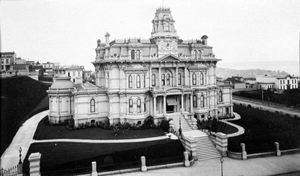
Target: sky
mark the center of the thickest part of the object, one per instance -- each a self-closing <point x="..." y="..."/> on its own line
<point x="244" y="33"/>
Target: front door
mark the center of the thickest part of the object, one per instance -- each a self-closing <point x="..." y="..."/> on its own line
<point x="170" y="109"/>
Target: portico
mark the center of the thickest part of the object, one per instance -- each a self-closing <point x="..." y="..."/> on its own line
<point x="171" y="101"/>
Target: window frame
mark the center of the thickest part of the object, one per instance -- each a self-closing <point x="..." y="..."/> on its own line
<point x="220" y="98"/>
<point x="168" y="82"/>
<point x="130" y="81"/>
<point x="195" y="99"/>
<point x="153" y="80"/>
<point x="138" y="81"/>
<point x="92" y="105"/>
<point x="138" y="55"/>
<point x="139" y="105"/>
<point x="179" y="78"/>
<point x="163" y="79"/>
<point x="194" y="78"/>
<point x="202" y="102"/>
<point x="130" y="104"/>
<point x="132" y="54"/>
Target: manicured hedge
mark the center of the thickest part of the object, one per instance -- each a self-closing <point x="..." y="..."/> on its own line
<point x="46" y="131"/>
<point x="216" y="126"/>
<point x="263" y="128"/>
<point x="62" y="158"/>
<point x="20" y="96"/>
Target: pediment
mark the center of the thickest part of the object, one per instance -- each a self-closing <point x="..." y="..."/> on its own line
<point x="170" y="58"/>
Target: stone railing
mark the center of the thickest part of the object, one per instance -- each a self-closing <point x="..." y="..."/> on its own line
<point x="190" y="144"/>
<point x="34" y="166"/>
<point x="277" y="152"/>
<point x="13" y="171"/>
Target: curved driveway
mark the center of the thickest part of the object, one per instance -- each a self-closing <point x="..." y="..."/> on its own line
<point x="270" y="107"/>
<point x="23" y="138"/>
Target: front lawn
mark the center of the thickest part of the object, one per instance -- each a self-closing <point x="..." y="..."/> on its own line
<point x="46" y="131"/>
<point x="263" y="128"/>
<point x="71" y="158"/>
<point x="20" y="99"/>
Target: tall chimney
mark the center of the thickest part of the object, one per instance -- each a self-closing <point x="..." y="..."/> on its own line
<point x="107" y="39"/>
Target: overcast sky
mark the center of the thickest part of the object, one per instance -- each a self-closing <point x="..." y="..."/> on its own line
<point x="242" y="32"/>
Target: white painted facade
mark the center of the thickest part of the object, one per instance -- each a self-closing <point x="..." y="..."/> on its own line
<point x="156" y="77"/>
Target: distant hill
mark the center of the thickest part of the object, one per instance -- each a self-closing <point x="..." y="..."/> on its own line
<point x="228" y="72"/>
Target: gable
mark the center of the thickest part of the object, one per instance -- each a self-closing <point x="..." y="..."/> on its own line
<point x="170" y="58"/>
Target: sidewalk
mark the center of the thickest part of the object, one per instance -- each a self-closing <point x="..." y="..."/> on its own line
<point x="23" y="138"/>
<point x="231" y="167"/>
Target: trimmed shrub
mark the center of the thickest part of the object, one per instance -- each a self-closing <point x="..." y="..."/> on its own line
<point x="164" y="125"/>
<point x="149" y="122"/>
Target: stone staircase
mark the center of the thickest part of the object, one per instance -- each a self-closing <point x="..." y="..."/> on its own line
<point x="179" y="117"/>
<point x="205" y="149"/>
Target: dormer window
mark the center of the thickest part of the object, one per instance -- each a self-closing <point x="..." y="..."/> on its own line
<point x="132" y="54"/>
<point x="138" y="55"/>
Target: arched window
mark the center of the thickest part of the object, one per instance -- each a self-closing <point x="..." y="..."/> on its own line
<point x="202" y="103"/>
<point x="199" y="54"/>
<point x="201" y="79"/>
<point x="168" y="79"/>
<point x="139" y="106"/>
<point x="138" y="81"/>
<point x="194" y="79"/>
<point x="132" y="54"/>
<point x="130" y="81"/>
<point x="130" y="106"/>
<point x="220" y="96"/>
<point x="163" y="79"/>
<point x="138" y="55"/>
<point x="153" y="80"/>
<point x="195" y="101"/>
<point x="195" y="54"/>
<point x="179" y="78"/>
<point x="145" y="105"/>
<point x="144" y="80"/>
<point x="92" y="105"/>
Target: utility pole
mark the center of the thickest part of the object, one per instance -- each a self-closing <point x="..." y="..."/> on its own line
<point x="262" y="94"/>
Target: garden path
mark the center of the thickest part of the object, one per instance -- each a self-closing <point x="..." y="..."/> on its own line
<point x="104" y="141"/>
<point x="240" y="131"/>
<point x="23" y="138"/>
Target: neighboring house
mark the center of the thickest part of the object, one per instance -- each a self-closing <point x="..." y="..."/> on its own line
<point x="288" y="82"/>
<point x="237" y="82"/>
<point x="75" y="73"/>
<point x="21" y="69"/>
<point x="138" y="78"/>
<point x="49" y="68"/>
<point x="7" y="61"/>
<point x="87" y="75"/>
<point x="283" y="83"/>
<point x="20" y="61"/>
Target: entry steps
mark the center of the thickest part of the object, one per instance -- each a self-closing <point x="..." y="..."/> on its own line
<point x="206" y="149"/>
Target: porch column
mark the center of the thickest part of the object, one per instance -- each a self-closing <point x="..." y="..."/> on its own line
<point x="150" y="76"/>
<point x="164" y="108"/>
<point x="186" y="77"/>
<point x="182" y="102"/>
<point x="154" y="105"/>
<point x="191" y="103"/>
<point x="159" y="77"/>
<point x="176" y="77"/>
